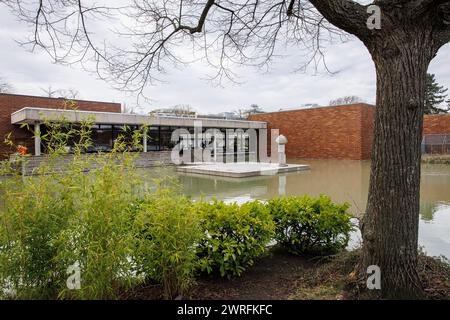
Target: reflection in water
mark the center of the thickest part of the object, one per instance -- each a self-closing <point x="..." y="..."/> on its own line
<point x="343" y="181"/>
<point x="427" y="211"/>
<point x="434" y="233"/>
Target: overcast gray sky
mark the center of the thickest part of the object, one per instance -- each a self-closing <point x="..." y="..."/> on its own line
<point x="279" y="88"/>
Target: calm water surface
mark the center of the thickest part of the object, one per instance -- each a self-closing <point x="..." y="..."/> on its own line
<point x="343" y="181"/>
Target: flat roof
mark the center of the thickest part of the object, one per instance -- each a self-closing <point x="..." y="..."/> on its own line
<point x="362" y="104"/>
<point x="57" y="98"/>
<point x="32" y="115"/>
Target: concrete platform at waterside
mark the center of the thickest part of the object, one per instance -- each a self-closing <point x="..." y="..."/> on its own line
<point x="241" y="170"/>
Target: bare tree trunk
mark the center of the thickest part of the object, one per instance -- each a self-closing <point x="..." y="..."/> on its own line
<point x="390" y="226"/>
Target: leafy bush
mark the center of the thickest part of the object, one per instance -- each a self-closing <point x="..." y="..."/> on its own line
<point x="35" y="210"/>
<point x="32" y="216"/>
<point x="167" y="231"/>
<point x="233" y="236"/>
<point x="99" y="236"/>
<point x="101" y="214"/>
<point x="60" y="218"/>
<point x="311" y="225"/>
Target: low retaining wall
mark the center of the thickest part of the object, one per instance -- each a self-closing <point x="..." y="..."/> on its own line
<point x="143" y="160"/>
<point x="436" y="159"/>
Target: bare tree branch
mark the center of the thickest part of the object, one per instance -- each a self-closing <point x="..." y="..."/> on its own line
<point x="223" y="33"/>
<point x="347" y="15"/>
<point x="144" y="36"/>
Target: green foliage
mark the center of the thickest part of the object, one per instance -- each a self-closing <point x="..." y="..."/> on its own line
<point x="98" y="236"/>
<point x="51" y="221"/>
<point x="102" y="214"/>
<point x="311" y="225"/>
<point x="435" y="95"/>
<point x="233" y="236"/>
<point x="32" y="218"/>
<point x="167" y="231"/>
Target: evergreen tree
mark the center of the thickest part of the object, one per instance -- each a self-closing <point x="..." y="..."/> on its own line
<point x="435" y="95"/>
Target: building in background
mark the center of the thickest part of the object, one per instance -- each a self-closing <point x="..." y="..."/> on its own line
<point x="12" y="103"/>
<point x="109" y="122"/>
<point x="344" y="132"/>
<point x="337" y="132"/>
<point x="221" y="115"/>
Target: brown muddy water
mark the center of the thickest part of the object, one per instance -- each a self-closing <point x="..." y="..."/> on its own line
<point x="343" y="181"/>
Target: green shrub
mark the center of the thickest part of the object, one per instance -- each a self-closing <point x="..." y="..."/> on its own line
<point x="311" y="225"/>
<point x="34" y="212"/>
<point x="31" y="218"/>
<point x="102" y="214"/>
<point x="99" y="234"/>
<point x="233" y="236"/>
<point x="50" y="222"/>
<point x="60" y="218"/>
<point x="167" y="231"/>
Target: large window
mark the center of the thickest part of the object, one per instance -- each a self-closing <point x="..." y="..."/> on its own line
<point x="102" y="138"/>
<point x="166" y="143"/>
<point x="126" y="133"/>
<point x="153" y="139"/>
<point x="159" y="138"/>
<point x="53" y="138"/>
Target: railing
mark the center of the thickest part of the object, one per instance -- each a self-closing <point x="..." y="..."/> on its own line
<point x="436" y="144"/>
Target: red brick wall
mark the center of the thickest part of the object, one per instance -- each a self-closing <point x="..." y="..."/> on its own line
<point x="437" y="124"/>
<point x="341" y="132"/>
<point x="10" y="103"/>
<point x="367" y="132"/>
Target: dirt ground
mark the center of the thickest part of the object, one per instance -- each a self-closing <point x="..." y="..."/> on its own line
<point x="282" y="276"/>
<point x="276" y="276"/>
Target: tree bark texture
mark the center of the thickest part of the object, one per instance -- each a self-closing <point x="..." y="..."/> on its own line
<point x="391" y="223"/>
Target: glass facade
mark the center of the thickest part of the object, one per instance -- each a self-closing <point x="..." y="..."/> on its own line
<point x="165" y="136"/>
<point x="153" y="139"/>
<point x="102" y="138"/>
<point x="159" y="138"/>
<point x="125" y="132"/>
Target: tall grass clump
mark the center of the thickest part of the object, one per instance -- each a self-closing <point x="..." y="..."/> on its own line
<point x="32" y="217"/>
<point x="34" y="211"/>
<point x="78" y="213"/>
<point x="98" y="236"/>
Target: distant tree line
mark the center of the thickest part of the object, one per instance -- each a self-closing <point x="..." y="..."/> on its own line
<point x="244" y="113"/>
<point x="180" y="110"/>
<point x="343" y="101"/>
<point x="69" y="93"/>
<point x="435" y="98"/>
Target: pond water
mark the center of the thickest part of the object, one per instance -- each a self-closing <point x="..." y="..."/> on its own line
<point x="343" y="181"/>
